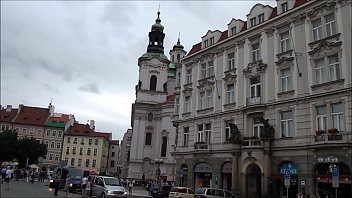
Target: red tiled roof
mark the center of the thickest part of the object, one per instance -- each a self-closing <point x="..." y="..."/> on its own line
<point x="299" y="2"/>
<point x="85" y="130"/>
<point x="197" y="47"/>
<point x="32" y="115"/>
<point x="223" y="36"/>
<point x="8" y="116"/>
<point x="64" y="118"/>
<point x="115" y="142"/>
<point x="273" y="13"/>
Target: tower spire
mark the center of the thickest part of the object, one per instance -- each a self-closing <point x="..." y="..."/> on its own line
<point x="178" y="40"/>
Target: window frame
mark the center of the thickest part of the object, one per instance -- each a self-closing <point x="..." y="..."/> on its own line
<point x="286" y="124"/>
<point x="285" y="42"/>
<point x="286" y="80"/>
<point x="231" y="61"/>
<point x="185" y="136"/>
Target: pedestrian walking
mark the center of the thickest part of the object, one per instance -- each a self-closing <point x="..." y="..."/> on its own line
<point x="57" y="180"/>
<point x="3" y="174"/>
<point x="67" y="185"/>
<point x="88" y="188"/>
<point x="7" y="177"/>
<point x="84" y="184"/>
<point x="130" y="188"/>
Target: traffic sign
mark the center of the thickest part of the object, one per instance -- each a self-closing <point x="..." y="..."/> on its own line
<point x="335" y="182"/>
<point x="287" y="174"/>
<point x="335" y="171"/>
<point x="303" y="182"/>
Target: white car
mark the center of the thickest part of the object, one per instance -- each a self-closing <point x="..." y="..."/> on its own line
<point x="181" y="192"/>
<point x="108" y="187"/>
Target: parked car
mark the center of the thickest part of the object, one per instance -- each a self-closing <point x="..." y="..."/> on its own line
<point x="160" y="190"/>
<point x="203" y="192"/>
<point x="108" y="187"/>
<point x="181" y="192"/>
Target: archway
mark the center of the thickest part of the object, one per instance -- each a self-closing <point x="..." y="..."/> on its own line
<point x="184" y="175"/>
<point x="203" y="175"/>
<point x="253" y="181"/>
<point x="153" y="82"/>
<point x="226" y="175"/>
<point x="324" y="181"/>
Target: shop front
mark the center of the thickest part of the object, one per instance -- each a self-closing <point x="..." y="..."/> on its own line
<point x="226" y="173"/>
<point x="203" y="175"/>
<point x="291" y="189"/>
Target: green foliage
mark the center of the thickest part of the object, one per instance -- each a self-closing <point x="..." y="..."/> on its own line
<point x="12" y="148"/>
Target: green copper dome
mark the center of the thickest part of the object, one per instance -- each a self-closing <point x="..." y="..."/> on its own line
<point x="157" y="26"/>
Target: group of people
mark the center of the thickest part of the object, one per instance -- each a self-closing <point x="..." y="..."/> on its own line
<point x="6" y="174"/>
<point x="85" y="187"/>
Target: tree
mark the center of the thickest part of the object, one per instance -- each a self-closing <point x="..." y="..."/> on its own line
<point x="31" y="148"/>
<point x="8" y="145"/>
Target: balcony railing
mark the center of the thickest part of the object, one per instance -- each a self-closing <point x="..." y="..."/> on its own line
<point x="330" y="138"/>
<point x="252" y="143"/>
<point x="201" y="146"/>
<point x="253" y="101"/>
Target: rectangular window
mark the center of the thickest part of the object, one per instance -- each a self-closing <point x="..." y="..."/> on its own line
<point x="46" y="144"/>
<point x="319" y="71"/>
<point x="87" y="162"/>
<point x="230" y="94"/>
<point x="200" y="133"/>
<point x="337" y="116"/>
<point x="81" y="151"/>
<point x="202" y="100"/>
<point x="233" y="31"/>
<point x="212" y="41"/>
<point x="24" y="130"/>
<point x="203" y="70"/>
<point x="96" y="141"/>
<point x="79" y="162"/>
<point x="227" y="129"/>
<point x="163" y="146"/>
<point x="287" y="124"/>
<point x="209" y="99"/>
<point x="95" y="151"/>
<point x="48" y="132"/>
<point x="68" y="140"/>
<point x="148" y="138"/>
<point x="60" y="133"/>
<point x="334" y="67"/>
<point x="58" y="145"/>
<point x="284" y="7"/>
<point x="285" y="43"/>
<point x="74" y="150"/>
<point x="321" y="118"/>
<point x="56" y="157"/>
<point x="207" y="133"/>
<point x="66" y="160"/>
<point x="286" y="80"/>
<point x="51" y="156"/>
<point x="189" y="76"/>
<point x="112" y="163"/>
<point x="52" y="145"/>
<point x="210" y="71"/>
<point x="231" y="61"/>
<point x="257" y="127"/>
<point x="72" y="161"/>
<point x="54" y="133"/>
<point x="67" y="150"/>
<point x="260" y="18"/>
<point x="255" y="87"/>
<point x="75" y="141"/>
<point x="253" y="22"/>
<point x="94" y="163"/>
<point x="206" y="43"/>
<point x="330" y="24"/>
<point x="178" y="79"/>
<point x="89" y="151"/>
<point x="255" y="52"/>
<point x="112" y="154"/>
<point x="89" y="141"/>
<point x="82" y="141"/>
<point x="317" y="30"/>
<point x="185" y="136"/>
<point x="187" y="104"/>
<point x="177" y="110"/>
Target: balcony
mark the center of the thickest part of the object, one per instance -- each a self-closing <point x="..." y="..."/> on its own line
<point x="327" y="138"/>
<point x="253" y="101"/>
<point x="251" y="143"/>
<point x="201" y="146"/>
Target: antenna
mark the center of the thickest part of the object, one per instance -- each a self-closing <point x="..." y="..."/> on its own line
<point x="51" y="101"/>
<point x="159" y="8"/>
<point x="296" y="54"/>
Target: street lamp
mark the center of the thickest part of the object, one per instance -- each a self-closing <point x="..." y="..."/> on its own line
<point x="158" y="162"/>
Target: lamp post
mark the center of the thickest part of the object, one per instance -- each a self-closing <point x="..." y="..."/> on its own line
<point x="158" y="162"/>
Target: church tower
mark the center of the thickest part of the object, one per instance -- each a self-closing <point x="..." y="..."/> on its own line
<point x="153" y="135"/>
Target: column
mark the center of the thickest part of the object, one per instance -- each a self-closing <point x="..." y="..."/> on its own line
<point x="235" y="186"/>
<point x="267" y="167"/>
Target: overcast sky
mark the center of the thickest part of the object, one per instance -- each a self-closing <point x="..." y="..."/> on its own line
<point x="83" y="55"/>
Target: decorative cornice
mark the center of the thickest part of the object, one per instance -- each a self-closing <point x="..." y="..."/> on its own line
<point x="343" y="2"/>
<point x="187" y="91"/>
<point x="149" y="128"/>
<point x="299" y="18"/>
<point x="321" y="9"/>
<point x="206" y="85"/>
<point x="154" y="71"/>
<point x="285" y="62"/>
<point x="325" y="47"/>
<point x="254" y="69"/>
<point x="230" y="78"/>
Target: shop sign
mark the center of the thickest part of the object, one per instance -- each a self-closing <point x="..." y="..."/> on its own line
<point x="288" y="166"/>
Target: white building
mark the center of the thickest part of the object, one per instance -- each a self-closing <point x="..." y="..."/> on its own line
<point x="153" y="135"/>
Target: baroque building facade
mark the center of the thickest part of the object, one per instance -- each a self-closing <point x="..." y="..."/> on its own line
<point x="153" y="134"/>
<point x="267" y="96"/>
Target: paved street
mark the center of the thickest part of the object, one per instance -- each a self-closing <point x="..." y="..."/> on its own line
<point x="36" y="189"/>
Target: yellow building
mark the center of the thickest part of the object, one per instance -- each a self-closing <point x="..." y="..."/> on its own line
<point x="86" y="149"/>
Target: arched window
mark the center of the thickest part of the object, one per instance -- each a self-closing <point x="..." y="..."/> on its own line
<point x="148" y="139"/>
<point x="163" y="147"/>
<point x="178" y="58"/>
<point x="153" y="81"/>
<point x="165" y="87"/>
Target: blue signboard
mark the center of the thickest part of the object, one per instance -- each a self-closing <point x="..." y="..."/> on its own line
<point x="335" y="171"/>
<point x="287" y="174"/>
<point x="290" y="166"/>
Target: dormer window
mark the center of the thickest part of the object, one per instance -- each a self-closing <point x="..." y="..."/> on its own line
<point x="233" y="31"/>
<point x="206" y="44"/>
<point x="211" y="40"/>
<point x="284" y="7"/>
<point x="253" y="22"/>
<point x="260" y="18"/>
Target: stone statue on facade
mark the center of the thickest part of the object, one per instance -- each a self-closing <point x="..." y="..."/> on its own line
<point x="235" y="134"/>
<point x="268" y="131"/>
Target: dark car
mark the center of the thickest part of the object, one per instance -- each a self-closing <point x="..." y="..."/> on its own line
<point x="160" y="190"/>
<point x="75" y="178"/>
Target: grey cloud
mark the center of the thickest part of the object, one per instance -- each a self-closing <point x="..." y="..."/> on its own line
<point x="118" y="13"/>
<point x="90" y="88"/>
<point x="51" y="88"/>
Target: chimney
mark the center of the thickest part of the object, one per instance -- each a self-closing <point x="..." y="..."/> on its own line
<point x="20" y="107"/>
<point x="91" y="124"/>
<point x="8" y="108"/>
